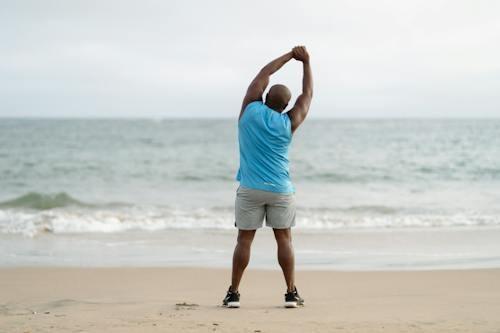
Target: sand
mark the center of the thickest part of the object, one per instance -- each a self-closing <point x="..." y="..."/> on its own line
<point x="188" y="300"/>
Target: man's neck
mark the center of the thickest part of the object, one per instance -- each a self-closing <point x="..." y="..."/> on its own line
<point x="274" y="108"/>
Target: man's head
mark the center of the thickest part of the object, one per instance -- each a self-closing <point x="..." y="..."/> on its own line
<point x="278" y="97"/>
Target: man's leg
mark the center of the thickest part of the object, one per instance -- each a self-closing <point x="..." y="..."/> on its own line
<point x="241" y="256"/>
<point x="286" y="257"/>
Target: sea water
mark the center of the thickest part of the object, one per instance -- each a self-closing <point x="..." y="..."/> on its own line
<point x="370" y="193"/>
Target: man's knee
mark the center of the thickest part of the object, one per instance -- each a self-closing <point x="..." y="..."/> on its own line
<point x="245" y="237"/>
<point x="283" y="236"/>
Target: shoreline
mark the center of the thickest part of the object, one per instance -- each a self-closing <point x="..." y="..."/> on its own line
<point x="153" y="299"/>
<point x="342" y="250"/>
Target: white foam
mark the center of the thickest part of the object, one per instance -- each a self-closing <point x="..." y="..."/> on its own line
<point x="81" y="220"/>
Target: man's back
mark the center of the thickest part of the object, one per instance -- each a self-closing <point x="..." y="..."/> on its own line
<point x="264" y="138"/>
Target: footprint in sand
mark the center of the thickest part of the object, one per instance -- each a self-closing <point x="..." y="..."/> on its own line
<point x="186" y="306"/>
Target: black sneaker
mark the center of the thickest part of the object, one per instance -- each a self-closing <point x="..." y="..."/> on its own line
<point x="232" y="299"/>
<point x="293" y="300"/>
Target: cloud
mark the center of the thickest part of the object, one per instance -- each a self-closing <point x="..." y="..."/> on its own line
<point x="195" y="58"/>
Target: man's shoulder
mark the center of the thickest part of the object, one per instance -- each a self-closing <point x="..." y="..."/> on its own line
<point x="251" y="108"/>
<point x="254" y="104"/>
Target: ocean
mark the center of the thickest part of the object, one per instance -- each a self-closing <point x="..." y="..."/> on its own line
<point x="371" y="194"/>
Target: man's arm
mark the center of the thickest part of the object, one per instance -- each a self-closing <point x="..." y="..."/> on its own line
<point x="299" y="111"/>
<point x="260" y="82"/>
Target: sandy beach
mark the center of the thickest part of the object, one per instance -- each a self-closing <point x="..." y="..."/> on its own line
<point x="147" y="148"/>
<point x="188" y="300"/>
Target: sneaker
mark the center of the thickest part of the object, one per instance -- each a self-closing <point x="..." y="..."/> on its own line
<point x="293" y="300"/>
<point x="232" y="299"/>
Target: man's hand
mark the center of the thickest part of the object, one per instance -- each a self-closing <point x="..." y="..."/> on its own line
<point x="300" y="53"/>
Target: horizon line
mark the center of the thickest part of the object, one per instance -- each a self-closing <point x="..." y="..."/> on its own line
<point x="234" y="118"/>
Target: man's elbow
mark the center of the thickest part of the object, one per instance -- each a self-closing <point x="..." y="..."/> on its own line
<point x="308" y="93"/>
<point x="265" y="72"/>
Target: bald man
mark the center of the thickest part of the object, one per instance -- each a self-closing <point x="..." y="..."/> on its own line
<point x="266" y="191"/>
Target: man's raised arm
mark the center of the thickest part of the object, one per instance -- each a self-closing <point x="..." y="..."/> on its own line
<point x="299" y="111"/>
<point x="260" y="82"/>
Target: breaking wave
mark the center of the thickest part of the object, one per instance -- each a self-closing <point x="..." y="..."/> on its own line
<point x="41" y="201"/>
<point x="36" y="213"/>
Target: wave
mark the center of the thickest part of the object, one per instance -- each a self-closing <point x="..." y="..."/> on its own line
<point x="371" y="209"/>
<point x="41" y="201"/>
<point x="47" y="201"/>
<point x="108" y="220"/>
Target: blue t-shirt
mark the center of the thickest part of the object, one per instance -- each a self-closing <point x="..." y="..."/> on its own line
<point x="264" y="136"/>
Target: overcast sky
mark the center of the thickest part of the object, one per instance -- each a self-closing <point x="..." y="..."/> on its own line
<point x="425" y="58"/>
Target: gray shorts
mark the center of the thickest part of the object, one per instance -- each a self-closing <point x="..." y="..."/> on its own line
<point x="253" y="205"/>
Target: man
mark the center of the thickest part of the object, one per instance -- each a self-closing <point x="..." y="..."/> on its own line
<point x="265" y="133"/>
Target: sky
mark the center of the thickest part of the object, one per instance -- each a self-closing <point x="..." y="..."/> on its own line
<point x="189" y="59"/>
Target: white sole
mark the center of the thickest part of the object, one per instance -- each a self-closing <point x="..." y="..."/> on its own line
<point x="233" y="305"/>
<point x="291" y="305"/>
